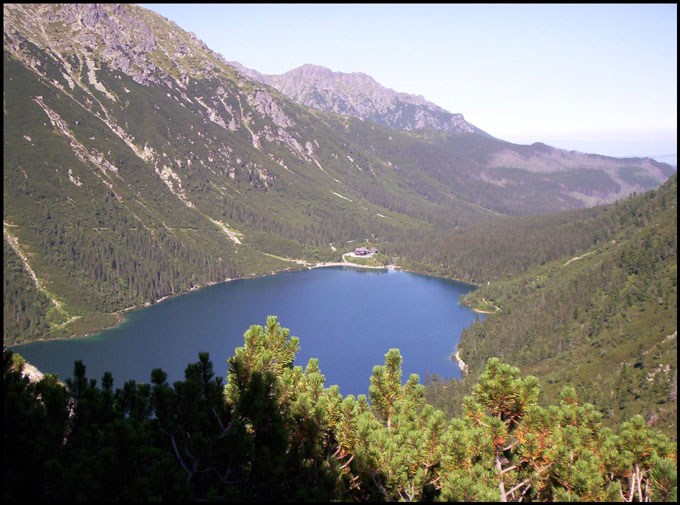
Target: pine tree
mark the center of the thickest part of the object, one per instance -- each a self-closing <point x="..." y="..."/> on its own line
<point x="275" y="432"/>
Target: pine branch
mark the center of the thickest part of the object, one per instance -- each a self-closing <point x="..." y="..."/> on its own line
<point x="348" y="462"/>
<point x="517" y="487"/>
<point x="380" y="488"/>
<point x="632" y="488"/>
<point x="177" y="455"/>
<point x="639" y="482"/>
<point x="501" y="484"/>
<point x="524" y="492"/>
<point x="226" y="430"/>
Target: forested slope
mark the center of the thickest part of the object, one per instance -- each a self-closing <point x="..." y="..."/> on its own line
<point x="506" y="246"/>
<point x="602" y="319"/>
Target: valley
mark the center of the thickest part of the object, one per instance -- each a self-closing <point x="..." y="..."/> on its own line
<point x="125" y="185"/>
<point x="140" y="165"/>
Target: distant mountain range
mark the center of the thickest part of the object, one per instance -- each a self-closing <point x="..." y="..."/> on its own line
<point x="138" y="163"/>
<point x="670" y="159"/>
<point x="359" y="95"/>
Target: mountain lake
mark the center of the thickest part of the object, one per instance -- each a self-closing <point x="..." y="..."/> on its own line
<point x="346" y="317"/>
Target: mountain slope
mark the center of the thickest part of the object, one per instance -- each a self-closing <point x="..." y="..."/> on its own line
<point x="359" y="95"/>
<point x="603" y="320"/>
<point x="584" y="179"/>
<point x="138" y="164"/>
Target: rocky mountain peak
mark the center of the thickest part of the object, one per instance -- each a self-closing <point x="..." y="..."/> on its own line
<point x="358" y="95"/>
<point x="131" y="39"/>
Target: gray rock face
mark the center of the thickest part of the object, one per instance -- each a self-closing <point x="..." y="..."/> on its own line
<point x="359" y="95"/>
<point x="125" y="39"/>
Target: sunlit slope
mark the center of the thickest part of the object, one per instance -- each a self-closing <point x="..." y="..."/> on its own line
<point x="603" y="320"/>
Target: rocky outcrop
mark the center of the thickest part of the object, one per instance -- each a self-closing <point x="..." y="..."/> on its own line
<point x="359" y="95"/>
<point x="33" y="374"/>
<point x="124" y="39"/>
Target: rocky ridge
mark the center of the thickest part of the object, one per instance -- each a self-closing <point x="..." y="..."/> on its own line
<point x="359" y="95"/>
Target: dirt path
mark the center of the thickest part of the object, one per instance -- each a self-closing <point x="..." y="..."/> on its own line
<point x="14" y="243"/>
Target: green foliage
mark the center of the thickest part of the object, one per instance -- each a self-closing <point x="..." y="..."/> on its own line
<point x="376" y="260"/>
<point x="275" y="433"/>
<point x="18" y="362"/>
<point x="603" y="321"/>
<point x="267" y="351"/>
<point x="81" y="444"/>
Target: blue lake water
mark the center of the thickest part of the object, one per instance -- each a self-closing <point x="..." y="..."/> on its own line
<point x="347" y="318"/>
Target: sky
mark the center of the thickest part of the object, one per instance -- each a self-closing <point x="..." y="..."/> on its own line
<point x="598" y="78"/>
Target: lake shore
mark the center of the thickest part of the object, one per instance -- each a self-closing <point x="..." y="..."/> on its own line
<point x="301" y="264"/>
<point x="213" y="320"/>
<point x="354" y="265"/>
<point x="461" y="364"/>
<point x="480" y="311"/>
<point x="120" y="314"/>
